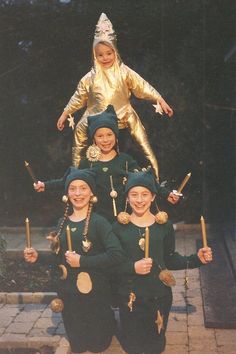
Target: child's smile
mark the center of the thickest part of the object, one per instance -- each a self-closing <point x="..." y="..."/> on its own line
<point x="105" y="55"/>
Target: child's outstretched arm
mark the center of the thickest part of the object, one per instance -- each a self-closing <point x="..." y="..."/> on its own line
<point x="142" y="89"/>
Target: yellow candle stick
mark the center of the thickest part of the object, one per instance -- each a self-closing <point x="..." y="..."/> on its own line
<point x="31" y="173"/>
<point x="185" y="180"/>
<point x="204" y="236"/>
<point x="68" y="237"/>
<point x="146" y="248"/>
<point x="27" y="229"/>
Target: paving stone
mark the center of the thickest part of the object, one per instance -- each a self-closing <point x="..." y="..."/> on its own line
<point x="35" y="307"/>
<point x="177" y="326"/>
<point x="7" y="311"/>
<point x="176" y="338"/>
<point x="30" y="316"/>
<point x="19" y="327"/>
<point x="47" y="322"/>
<point x="200" y="344"/>
<point x="5" y="321"/>
<point x="225" y="336"/>
<point x="176" y="349"/>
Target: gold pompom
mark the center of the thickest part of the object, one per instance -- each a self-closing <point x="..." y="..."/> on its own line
<point x="57" y="305"/>
<point x="114" y="194"/>
<point x="123" y="218"/>
<point x="161" y="217"/>
<point x="93" y="199"/>
<point x="64" y="199"/>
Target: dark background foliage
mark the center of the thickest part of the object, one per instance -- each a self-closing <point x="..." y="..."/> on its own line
<point x="184" y="48"/>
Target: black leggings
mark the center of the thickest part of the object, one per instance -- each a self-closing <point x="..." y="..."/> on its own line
<point x="138" y="330"/>
<point x="89" y="322"/>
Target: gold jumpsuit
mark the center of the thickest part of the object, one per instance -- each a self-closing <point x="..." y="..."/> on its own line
<point x="103" y="86"/>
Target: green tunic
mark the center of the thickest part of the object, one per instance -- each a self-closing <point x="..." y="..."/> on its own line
<point x="117" y="168"/>
<point x="105" y="253"/>
<point x="162" y="251"/>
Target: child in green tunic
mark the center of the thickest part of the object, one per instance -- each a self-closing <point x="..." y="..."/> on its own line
<point x="84" y="286"/>
<point x="145" y="292"/>
<point x="111" y="166"/>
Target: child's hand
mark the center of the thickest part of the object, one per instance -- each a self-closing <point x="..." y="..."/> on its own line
<point x="30" y="255"/>
<point x="143" y="266"/>
<point x="173" y="198"/>
<point x="60" y="124"/>
<point x="73" y="259"/>
<point x="39" y="186"/>
<point x="166" y="108"/>
<point x="205" y="255"/>
<point x="61" y="121"/>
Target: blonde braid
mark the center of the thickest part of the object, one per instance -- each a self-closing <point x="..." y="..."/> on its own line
<point x="85" y="232"/>
<point x="65" y="216"/>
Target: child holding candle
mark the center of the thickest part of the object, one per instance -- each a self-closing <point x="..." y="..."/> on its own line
<point x="110" y="165"/>
<point x="84" y="287"/>
<point x="144" y="290"/>
<point x="111" y="82"/>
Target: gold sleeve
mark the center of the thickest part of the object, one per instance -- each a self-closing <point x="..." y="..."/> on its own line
<point x="139" y="87"/>
<point x="80" y="97"/>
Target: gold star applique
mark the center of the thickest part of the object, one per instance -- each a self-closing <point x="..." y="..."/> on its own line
<point x="159" y="322"/>
<point x="158" y="108"/>
<point x="71" y="121"/>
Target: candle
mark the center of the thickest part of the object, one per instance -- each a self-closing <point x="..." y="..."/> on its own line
<point x="68" y="236"/>
<point x="185" y="180"/>
<point x="27" y="228"/>
<point x="31" y="173"/>
<point x="146" y="248"/>
<point x="204" y="237"/>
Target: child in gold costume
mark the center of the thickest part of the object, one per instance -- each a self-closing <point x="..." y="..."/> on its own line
<point x="110" y="81"/>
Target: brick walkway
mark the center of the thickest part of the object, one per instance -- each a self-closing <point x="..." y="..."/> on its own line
<point x="33" y="325"/>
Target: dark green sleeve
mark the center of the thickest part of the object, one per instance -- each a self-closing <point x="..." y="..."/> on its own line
<point x="57" y="184"/>
<point x="162" y="192"/>
<point x="112" y="254"/>
<point x="54" y="184"/>
<point x="46" y="257"/>
<point x="132" y="164"/>
<point x="127" y="265"/>
<point x="173" y="259"/>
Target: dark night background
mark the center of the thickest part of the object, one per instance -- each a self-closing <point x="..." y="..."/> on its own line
<point x="184" y="48"/>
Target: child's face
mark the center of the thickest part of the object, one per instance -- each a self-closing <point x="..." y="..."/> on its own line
<point x="79" y="194"/>
<point x="105" y="139"/>
<point x="140" y="199"/>
<point x="105" y="55"/>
